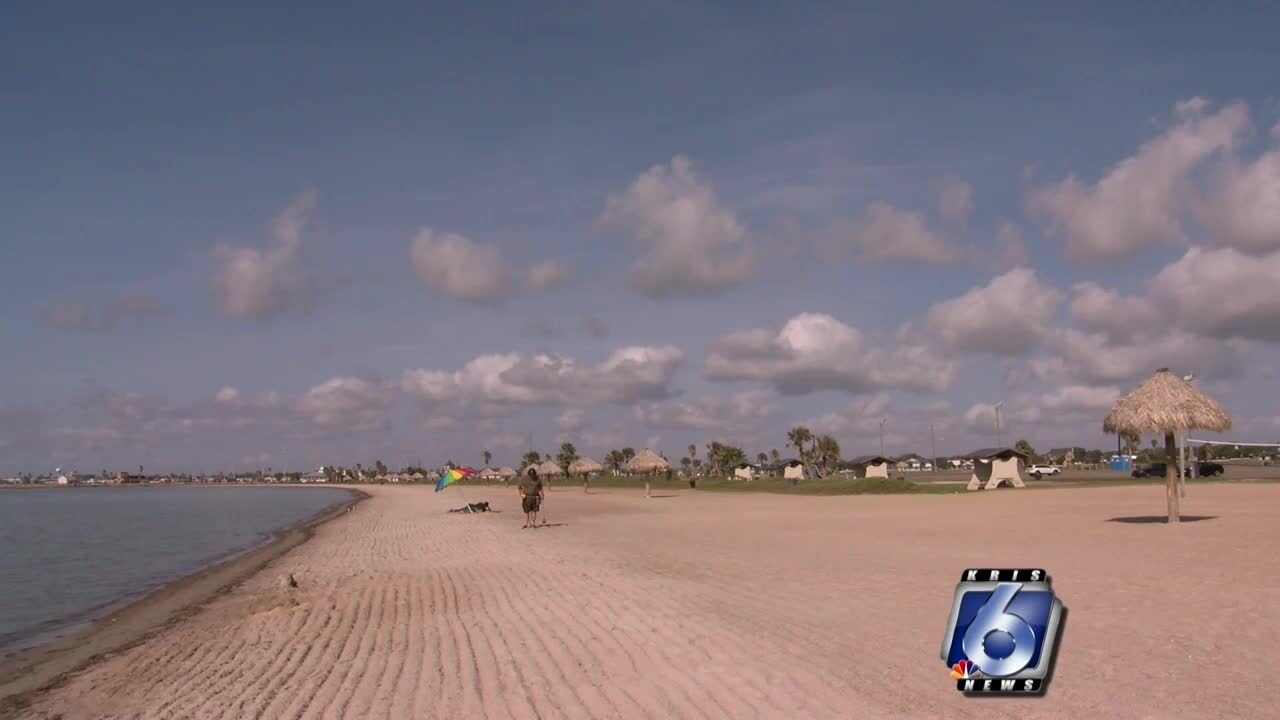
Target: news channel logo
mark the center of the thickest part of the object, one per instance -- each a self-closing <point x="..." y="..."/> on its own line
<point x="1003" y="628"/>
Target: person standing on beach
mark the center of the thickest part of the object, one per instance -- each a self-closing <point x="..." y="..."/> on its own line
<point x="530" y="496"/>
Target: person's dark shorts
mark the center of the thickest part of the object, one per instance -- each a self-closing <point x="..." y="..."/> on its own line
<point x="531" y="503"/>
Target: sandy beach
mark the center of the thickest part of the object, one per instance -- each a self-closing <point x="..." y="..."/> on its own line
<point x="702" y="605"/>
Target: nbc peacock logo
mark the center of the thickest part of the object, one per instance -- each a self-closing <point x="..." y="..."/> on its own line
<point x="1002" y="631"/>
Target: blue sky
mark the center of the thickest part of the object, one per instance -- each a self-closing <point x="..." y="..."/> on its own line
<point x="899" y="205"/>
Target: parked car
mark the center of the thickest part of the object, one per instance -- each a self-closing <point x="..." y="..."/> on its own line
<point x="1209" y="469"/>
<point x="1152" y="470"/>
<point x="1203" y="469"/>
<point x="1039" y="471"/>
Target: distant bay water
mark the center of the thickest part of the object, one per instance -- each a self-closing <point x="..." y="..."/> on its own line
<point x="69" y="554"/>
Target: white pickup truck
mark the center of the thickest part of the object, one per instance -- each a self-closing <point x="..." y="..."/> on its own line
<point x="1039" y="471"/>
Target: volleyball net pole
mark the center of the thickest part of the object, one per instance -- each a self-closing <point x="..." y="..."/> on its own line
<point x="1232" y="443"/>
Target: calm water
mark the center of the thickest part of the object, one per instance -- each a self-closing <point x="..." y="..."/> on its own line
<point x="67" y="554"/>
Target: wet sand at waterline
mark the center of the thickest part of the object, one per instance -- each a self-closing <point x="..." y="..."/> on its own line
<point x="717" y="605"/>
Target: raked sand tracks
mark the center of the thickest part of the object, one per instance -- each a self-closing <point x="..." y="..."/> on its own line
<point x="716" y="606"/>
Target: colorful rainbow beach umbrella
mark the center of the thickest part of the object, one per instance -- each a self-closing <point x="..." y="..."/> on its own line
<point x="451" y="476"/>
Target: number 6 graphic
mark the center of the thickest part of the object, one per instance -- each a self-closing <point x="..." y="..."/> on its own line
<point x="992" y="617"/>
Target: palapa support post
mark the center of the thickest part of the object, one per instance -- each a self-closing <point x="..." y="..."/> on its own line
<point x="1171" y="476"/>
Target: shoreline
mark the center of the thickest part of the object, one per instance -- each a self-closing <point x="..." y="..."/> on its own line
<point x="698" y="605"/>
<point x="30" y="671"/>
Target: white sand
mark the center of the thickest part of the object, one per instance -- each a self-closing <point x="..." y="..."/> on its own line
<point x="704" y="605"/>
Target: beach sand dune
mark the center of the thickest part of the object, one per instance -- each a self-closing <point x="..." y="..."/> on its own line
<point x="702" y="605"/>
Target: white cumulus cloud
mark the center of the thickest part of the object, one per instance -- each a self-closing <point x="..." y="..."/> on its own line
<point x="261" y="283"/>
<point x="885" y="233"/>
<point x="347" y="402"/>
<point x="1141" y="201"/>
<point x="710" y="412"/>
<point x="814" y="351"/>
<point x="688" y="242"/>
<point x="460" y="268"/>
<point x="629" y="374"/>
<point x="1008" y="316"/>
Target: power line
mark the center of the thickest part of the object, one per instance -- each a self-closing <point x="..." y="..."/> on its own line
<point x="1228" y="442"/>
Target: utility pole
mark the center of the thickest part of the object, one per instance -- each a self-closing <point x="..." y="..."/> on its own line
<point x="882" y="422"/>
<point x="933" y="448"/>
<point x="999" y="438"/>
<point x="1184" y="454"/>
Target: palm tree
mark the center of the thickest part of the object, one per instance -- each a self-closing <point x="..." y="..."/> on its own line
<point x="1131" y="442"/>
<point x="686" y="464"/>
<point x="761" y="458"/>
<point x="530" y="458"/>
<point x="775" y="456"/>
<point x="628" y="453"/>
<point x="828" y="454"/>
<point x="731" y="456"/>
<point x="487" y="457"/>
<point x="568" y="453"/>
<point x="613" y="460"/>
<point x="797" y="437"/>
<point x="714" y="451"/>
<point x="693" y="451"/>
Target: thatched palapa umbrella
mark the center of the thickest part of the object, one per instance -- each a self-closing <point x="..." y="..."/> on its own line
<point x="1167" y="404"/>
<point x="584" y="465"/>
<point x="647" y="461"/>
<point x="549" y="469"/>
<point x="506" y="473"/>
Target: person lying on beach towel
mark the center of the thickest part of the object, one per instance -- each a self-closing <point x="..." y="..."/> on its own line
<point x="472" y="508"/>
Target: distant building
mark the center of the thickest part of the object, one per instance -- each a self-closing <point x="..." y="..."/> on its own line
<point x="1061" y="456"/>
<point x="870" y="466"/>
<point x="791" y="468"/>
<point x="912" y="463"/>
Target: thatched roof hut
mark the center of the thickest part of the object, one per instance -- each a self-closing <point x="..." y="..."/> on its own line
<point x="549" y="469"/>
<point x="647" y="461"/>
<point x="584" y="465"/>
<point x="1166" y="404"/>
<point x="506" y="472"/>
